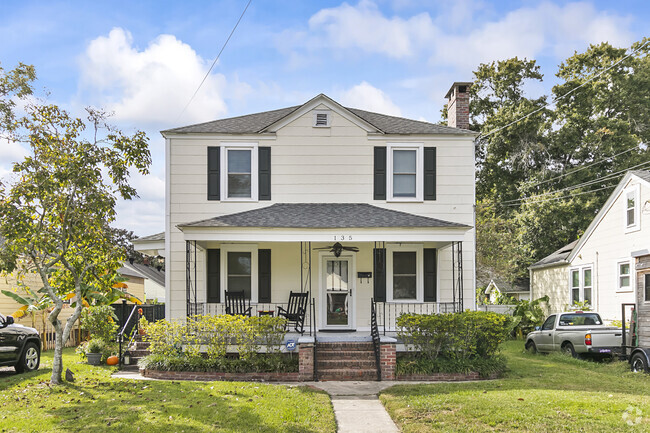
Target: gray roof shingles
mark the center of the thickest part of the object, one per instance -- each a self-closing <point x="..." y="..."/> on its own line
<point x="155" y="237"/>
<point x="323" y="215"/>
<point x="555" y="258"/>
<point x="258" y="122"/>
<point x="643" y="174"/>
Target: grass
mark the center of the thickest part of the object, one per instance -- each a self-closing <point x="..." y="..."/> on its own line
<point x="95" y="402"/>
<point x="539" y="393"/>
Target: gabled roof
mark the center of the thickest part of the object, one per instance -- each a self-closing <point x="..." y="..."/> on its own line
<point x="323" y="215"/>
<point x="643" y="175"/>
<point x="520" y="285"/>
<point x="556" y="258"/>
<point x="258" y="123"/>
<point x="566" y="254"/>
<point x="155" y="237"/>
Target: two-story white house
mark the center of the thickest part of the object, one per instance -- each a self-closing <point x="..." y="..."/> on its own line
<point x="598" y="269"/>
<point x="348" y="205"/>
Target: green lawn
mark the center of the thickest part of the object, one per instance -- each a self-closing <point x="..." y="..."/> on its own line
<point x="96" y="403"/>
<point x="539" y="393"/>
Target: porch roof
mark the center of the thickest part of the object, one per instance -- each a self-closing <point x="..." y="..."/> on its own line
<point x="323" y="216"/>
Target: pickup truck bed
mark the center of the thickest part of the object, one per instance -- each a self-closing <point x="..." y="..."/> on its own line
<point x="575" y="333"/>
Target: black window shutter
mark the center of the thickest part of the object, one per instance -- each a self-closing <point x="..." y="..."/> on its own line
<point x="264" y="276"/>
<point x="380" y="173"/>
<point x="429" y="173"/>
<point x="430" y="275"/>
<point x="264" y="165"/>
<point x="379" y="268"/>
<point x="214" y="276"/>
<point x="214" y="180"/>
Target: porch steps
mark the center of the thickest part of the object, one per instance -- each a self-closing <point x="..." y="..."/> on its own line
<point x="345" y="361"/>
<point x="138" y="350"/>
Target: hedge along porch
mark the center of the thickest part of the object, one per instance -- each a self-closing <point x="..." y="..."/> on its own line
<point x="344" y="255"/>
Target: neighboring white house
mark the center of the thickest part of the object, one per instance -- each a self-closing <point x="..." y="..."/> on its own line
<point x="599" y="267"/>
<point x="347" y="204"/>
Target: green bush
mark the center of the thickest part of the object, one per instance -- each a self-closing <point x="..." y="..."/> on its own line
<point x="454" y="336"/>
<point x="212" y="335"/>
<point x="261" y="363"/>
<point x="100" y="322"/>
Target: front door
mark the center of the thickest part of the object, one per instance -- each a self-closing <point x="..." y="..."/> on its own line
<point x="337" y="288"/>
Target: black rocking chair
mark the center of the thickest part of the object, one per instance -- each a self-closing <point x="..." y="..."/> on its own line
<point x="237" y="304"/>
<point x="296" y="310"/>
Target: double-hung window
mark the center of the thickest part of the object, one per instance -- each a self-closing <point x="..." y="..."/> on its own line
<point x="405" y="275"/>
<point x="624" y="276"/>
<point x="632" y="214"/>
<point x="239" y="172"/>
<point x="405" y="168"/>
<point x="239" y="269"/>
<point x="581" y="285"/>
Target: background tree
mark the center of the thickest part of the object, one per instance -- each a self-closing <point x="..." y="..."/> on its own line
<point x="542" y="180"/>
<point x="57" y="216"/>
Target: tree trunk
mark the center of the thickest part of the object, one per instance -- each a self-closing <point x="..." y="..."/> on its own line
<point x="57" y="363"/>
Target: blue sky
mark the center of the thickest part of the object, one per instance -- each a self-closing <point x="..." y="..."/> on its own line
<point x="144" y="59"/>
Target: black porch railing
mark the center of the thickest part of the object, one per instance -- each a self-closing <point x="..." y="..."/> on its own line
<point x="388" y="312"/>
<point x="374" y="333"/>
<point x="260" y="309"/>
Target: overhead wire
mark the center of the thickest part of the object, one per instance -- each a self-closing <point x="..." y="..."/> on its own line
<point x="562" y="96"/>
<point x="215" y="60"/>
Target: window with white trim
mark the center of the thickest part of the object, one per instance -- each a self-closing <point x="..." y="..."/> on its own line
<point x="404" y="273"/>
<point x="581" y="285"/>
<point x="624" y="276"/>
<point x="632" y="214"/>
<point x="405" y="168"/>
<point x="239" y="269"/>
<point x="239" y="179"/>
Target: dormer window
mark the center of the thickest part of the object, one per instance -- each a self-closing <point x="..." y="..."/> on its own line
<point x="321" y="119"/>
<point x="631" y="201"/>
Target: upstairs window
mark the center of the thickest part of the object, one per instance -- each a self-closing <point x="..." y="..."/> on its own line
<point x="405" y="172"/>
<point x="239" y="172"/>
<point x="632" y="214"/>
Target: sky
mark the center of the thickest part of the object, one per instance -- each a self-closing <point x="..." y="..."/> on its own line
<point x="143" y="60"/>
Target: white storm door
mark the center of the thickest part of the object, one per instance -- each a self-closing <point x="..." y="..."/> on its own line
<point x="337" y="290"/>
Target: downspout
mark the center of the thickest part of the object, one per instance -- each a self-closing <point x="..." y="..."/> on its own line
<point x="596" y="290"/>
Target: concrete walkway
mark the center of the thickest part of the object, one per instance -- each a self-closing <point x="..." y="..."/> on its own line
<point x="357" y="407"/>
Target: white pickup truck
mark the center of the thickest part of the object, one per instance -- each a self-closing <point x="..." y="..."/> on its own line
<point x="575" y="333"/>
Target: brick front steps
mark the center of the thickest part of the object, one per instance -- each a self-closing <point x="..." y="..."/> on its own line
<point x="345" y="361"/>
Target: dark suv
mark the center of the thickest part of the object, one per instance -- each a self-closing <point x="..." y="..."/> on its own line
<point x="20" y="346"/>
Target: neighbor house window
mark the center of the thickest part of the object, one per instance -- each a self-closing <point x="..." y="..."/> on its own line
<point x="624" y="276"/>
<point x="632" y="213"/>
<point x="404" y="273"/>
<point x="405" y="172"/>
<point x="581" y="285"/>
<point x="240" y="174"/>
<point x="647" y="287"/>
<point x="239" y="269"/>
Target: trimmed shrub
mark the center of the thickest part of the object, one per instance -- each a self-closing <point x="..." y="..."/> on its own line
<point x="455" y="336"/>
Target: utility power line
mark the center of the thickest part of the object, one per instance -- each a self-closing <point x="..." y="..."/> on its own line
<point x="561" y="198"/>
<point x="563" y="96"/>
<point x="215" y="60"/>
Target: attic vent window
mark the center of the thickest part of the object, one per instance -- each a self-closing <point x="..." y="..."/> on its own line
<point x="321" y="119"/>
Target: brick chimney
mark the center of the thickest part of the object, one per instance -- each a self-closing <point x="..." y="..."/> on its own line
<point x="458" y="105"/>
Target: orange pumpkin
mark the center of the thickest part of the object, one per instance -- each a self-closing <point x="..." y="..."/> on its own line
<point x="112" y="360"/>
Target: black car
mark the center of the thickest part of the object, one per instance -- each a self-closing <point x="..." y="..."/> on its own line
<point x="20" y="346"/>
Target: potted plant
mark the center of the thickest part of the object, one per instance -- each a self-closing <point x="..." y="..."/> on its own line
<point x="94" y="351"/>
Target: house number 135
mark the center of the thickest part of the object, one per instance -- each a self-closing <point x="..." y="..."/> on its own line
<point x="342" y="238"/>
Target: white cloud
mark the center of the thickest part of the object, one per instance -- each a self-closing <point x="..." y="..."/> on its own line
<point x="364" y="26"/>
<point x="11" y="151"/>
<point x="152" y="86"/>
<point x="367" y="97"/>
<point x="457" y="36"/>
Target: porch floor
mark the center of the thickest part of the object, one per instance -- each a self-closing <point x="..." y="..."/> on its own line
<point x="342" y="337"/>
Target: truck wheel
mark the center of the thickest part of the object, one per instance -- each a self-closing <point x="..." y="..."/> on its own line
<point x="638" y="363"/>
<point x="30" y="360"/>
<point x="567" y="349"/>
<point x="530" y="347"/>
